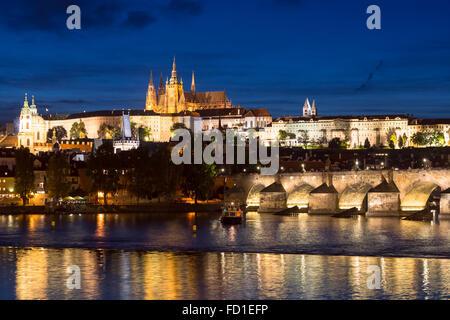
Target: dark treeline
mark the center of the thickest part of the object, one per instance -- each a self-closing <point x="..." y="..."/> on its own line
<point x="148" y="174"/>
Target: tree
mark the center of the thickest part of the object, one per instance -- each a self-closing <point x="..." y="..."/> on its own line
<point x="437" y="138"/>
<point x="103" y="168"/>
<point x="304" y="138"/>
<point x="391" y="137"/>
<point x="419" y="138"/>
<point x="57" y="185"/>
<point x="78" y="130"/>
<point x="198" y="180"/>
<point x="154" y="176"/>
<point x="405" y="140"/>
<point x="335" y="143"/>
<point x="167" y="175"/>
<point x="429" y="138"/>
<point x="24" y="179"/>
<point x="322" y="141"/>
<point x="145" y="133"/>
<point x="134" y="129"/>
<point x="391" y="144"/>
<point x="177" y="126"/>
<point x="401" y="142"/>
<point x="142" y="182"/>
<point x="282" y="135"/>
<point x="107" y="131"/>
<point x="367" y="143"/>
<point x="60" y="133"/>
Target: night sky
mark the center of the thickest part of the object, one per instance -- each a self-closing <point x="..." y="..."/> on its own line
<point x="268" y="53"/>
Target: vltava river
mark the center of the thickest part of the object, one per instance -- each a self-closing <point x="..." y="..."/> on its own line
<point x="139" y="256"/>
<point x="37" y="273"/>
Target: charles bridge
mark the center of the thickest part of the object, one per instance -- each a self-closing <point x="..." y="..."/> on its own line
<point x="375" y="192"/>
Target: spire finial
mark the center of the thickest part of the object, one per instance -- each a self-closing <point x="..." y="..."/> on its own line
<point x="174" y="78"/>
<point x="193" y="83"/>
<point x="32" y="100"/>
<point x="151" y="76"/>
<point x="25" y="102"/>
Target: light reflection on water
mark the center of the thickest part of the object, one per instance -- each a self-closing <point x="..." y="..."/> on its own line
<point x="214" y="263"/>
<point x="303" y="234"/>
<point x="36" y="273"/>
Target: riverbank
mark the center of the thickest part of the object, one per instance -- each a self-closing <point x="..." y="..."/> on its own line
<point x="94" y="209"/>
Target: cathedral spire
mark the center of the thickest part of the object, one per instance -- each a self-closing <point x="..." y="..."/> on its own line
<point x="314" y="108"/>
<point x="25" y="102"/>
<point x="306" y="108"/>
<point x="150" y="101"/>
<point x="193" y="83"/>
<point x="174" y="78"/>
<point x="161" y="86"/>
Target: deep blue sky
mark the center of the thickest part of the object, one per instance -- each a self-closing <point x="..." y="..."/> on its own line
<point x="267" y="53"/>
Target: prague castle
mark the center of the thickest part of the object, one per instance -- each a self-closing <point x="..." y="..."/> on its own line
<point x="171" y="97"/>
<point x="170" y="104"/>
<point x="164" y="107"/>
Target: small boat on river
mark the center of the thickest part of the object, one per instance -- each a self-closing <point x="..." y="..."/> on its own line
<point x="232" y="213"/>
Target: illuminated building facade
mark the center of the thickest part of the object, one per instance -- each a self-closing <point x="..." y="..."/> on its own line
<point x="376" y="129"/>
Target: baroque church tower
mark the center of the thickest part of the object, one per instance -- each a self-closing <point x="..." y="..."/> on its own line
<point x="31" y="125"/>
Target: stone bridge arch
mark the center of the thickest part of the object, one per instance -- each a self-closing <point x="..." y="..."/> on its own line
<point x="355" y="195"/>
<point x="417" y="197"/>
<point x="299" y="196"/>
<point x="253" y="194"/>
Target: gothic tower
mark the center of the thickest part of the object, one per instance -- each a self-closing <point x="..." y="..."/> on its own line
<point x="306" y="108"/>
<point x="314" y="108"/>
<point x="174" y="90"/>
<point x="151" y="101"/>
<point x="161" y="91"/>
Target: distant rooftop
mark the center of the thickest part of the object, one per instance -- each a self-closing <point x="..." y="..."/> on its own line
<point x="346" y="117"/>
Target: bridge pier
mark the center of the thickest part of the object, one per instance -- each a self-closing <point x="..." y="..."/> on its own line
<point x="323" y="200"/>
<point x="272" y="198"/>
<point x="384" y="200"/>
<point x="445" y="205"/>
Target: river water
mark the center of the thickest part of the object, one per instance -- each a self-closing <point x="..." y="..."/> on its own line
<point x="158" y="256"/>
